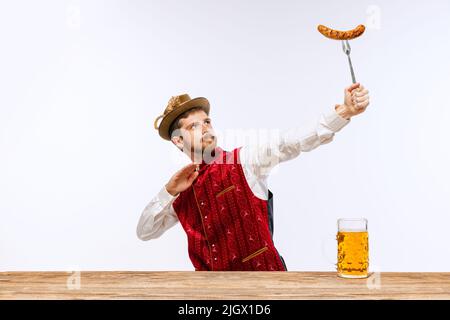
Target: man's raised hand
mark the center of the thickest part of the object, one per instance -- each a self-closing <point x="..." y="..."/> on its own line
<point x="182" y="179"/>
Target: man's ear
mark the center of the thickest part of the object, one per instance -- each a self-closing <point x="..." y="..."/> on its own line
<point x="178" y="142"/>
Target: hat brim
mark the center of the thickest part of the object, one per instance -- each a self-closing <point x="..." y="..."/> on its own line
<point x="168" y="119"/>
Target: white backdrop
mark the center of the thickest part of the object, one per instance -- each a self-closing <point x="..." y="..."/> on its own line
<point x="82" y="81"/>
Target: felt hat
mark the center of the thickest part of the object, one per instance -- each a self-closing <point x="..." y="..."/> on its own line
<point x="175" y="107"/>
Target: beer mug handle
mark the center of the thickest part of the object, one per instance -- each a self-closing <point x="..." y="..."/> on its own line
<point x="329" y="251"/>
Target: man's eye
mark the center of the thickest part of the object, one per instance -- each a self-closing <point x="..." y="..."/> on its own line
<point x="208" y="121"/>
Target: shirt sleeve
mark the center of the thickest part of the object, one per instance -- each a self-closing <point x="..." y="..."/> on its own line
<point x="259" y="159"/>
<point x="157" y="217"/>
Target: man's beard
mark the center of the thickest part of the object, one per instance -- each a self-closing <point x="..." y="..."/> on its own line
<point x="202" y="151"/>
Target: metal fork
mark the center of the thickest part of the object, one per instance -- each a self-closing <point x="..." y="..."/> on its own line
<point x="346" y="48"/>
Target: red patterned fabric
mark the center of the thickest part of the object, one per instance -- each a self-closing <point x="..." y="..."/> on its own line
<point x="226" y="224"/>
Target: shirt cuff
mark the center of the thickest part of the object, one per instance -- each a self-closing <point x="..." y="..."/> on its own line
<point x="334" y="121"/>
<point x="165" y="197"/>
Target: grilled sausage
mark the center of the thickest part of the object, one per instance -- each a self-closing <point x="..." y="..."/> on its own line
<point x="341" y="35"/>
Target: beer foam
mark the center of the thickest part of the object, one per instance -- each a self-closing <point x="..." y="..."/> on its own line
<point x="352" y="230"/>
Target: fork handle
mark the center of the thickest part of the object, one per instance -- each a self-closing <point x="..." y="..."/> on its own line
<point x="351" y="69"/>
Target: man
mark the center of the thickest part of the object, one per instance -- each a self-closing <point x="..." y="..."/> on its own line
<point x="221" y="199"/>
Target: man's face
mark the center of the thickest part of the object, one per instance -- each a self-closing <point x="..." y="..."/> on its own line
<point x="197" y="132"/>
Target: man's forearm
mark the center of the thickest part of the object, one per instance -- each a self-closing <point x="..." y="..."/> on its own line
<point x="157" y="217"/>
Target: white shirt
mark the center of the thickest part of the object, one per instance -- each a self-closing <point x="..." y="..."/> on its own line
<point x="256" y="160"/>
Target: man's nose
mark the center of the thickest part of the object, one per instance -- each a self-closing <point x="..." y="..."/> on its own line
<point x="205" y="128"/>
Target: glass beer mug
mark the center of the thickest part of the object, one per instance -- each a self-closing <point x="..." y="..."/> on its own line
<point x="353" y="248"/>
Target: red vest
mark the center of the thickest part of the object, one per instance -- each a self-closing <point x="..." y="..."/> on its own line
<point x="227" y="226"/>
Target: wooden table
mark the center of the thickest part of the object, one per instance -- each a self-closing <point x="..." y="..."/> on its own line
<point x="221" y="285"/>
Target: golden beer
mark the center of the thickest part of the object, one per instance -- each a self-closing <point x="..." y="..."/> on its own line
<point x="353" y="252"/>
